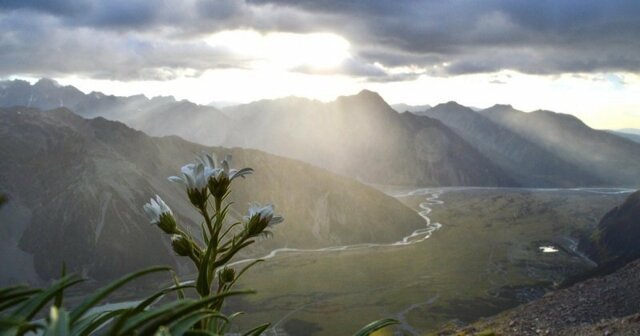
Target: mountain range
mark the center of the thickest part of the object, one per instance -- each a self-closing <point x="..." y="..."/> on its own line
<point x="400" y="108"/>
<point x="632" y="134"/>
<point x="611" y="158"/>
<point x="527" y="161"/>
<point x="76" y="188"/>
<point x="362" y="137"/>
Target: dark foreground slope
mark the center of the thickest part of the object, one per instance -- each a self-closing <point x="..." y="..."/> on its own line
<point x="608" y="305"/>
<point x="617" y="234"/>
<point x="76" y="189"/>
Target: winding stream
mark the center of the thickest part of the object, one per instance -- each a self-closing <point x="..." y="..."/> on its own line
<point x="417" y="236"/>
<point x="432" y="197"/>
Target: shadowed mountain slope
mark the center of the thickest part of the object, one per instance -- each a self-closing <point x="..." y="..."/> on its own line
<point x="617" y="235"/>
<point x="363" y="137"/>
<point x="77" y="187"/>
<point x="606" y="156"/>
<point x="529" y="163"/>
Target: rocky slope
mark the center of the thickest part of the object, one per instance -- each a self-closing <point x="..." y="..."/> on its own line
<point x="615" y="241"/>
<point x="601" y="154"/>
<point x="76" y="188"/>
<point x="599" y="306"/>
<point x="527" y="162"/>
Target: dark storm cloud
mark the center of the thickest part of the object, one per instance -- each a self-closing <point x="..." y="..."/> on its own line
<point x="133" y="39"/>
<point x="482" y="36"/>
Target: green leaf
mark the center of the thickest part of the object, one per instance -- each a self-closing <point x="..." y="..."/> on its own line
<point x="13" y="296"/>
<point x="60" y="296"/>
<point x="30" y="308"/>
<point x="59" y="324"/>
<point x="87" y="325"/>
<point x="246" y="268"/>
<point x="186" y="309"/>
<point x="5" y="293"/>
<point x="142" y="306"/>
<point x="257" y="331"/>
<point x="13" y="326"/>
<point x="182" y="325"/>
<point x="203" y="283"/>
<point x="129" y="322"/>
<point x="375" y="326"/>
<point x="177" y="285"/>
<point x="223" y="330"/>
<point x="163" y="331"/>
<point x="102" y="293"/>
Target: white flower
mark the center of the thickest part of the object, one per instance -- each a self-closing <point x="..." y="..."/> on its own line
<point x="259" y="220"/>
<point x="223" y="171"/>
<point x="194" y="176"/>
<point x="155" y="209"/>
<point x="263" y="213"/>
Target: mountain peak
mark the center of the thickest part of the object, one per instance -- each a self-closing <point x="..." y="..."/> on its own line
<point x="451" y="105"/>
<point x="501" y="107"/>
<point x="455" y="104"/>
<point x="369" y="96"/>
<point x="366" y="92"/>
<point x="47" y="82"/>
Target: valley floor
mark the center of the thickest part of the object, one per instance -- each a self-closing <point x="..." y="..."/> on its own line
<point x="486" y="258"/>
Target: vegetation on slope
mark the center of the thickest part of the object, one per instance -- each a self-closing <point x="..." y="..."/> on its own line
<point x="207" y="185"/>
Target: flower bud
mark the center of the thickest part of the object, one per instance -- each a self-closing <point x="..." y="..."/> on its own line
<point x="167" y="223"/>
<point x="227" y="275"/>
<point x="181" y="245"/>
<point x="198" y="197"/>
<point x="259" y="219"/>
<point x="219" y="185"/>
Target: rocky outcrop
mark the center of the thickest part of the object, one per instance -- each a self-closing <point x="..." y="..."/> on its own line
<point x="599" y="306"/>
<point x="616" y="240"/>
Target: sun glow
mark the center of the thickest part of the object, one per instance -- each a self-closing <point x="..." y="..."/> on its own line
<point x="284" y="51"/>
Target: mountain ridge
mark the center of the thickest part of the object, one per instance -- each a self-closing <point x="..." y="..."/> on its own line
<point x="428" y="148"/>
<point x="76" y="189"/>
<point x="605" y="156"/>
<point x="529" y="163"/>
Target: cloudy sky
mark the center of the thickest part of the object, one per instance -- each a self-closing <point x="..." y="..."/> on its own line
<point x="579" y="56"/>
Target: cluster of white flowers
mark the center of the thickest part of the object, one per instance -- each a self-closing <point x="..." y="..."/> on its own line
<point x="197" y="175"/>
